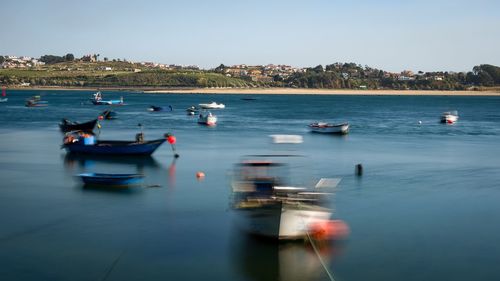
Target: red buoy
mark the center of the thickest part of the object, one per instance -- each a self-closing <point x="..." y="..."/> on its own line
<point x="100" y="117"/>
<point x="171" y="139"/>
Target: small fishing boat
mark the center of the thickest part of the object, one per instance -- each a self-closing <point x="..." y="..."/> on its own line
<point x="159" y="108"/>
<point x="108" y="115"/>
<point x="68" y="126"/>
<point x="155" y="108"/>
<point x="112" y="180"/>
<point x="449" y="117"/>
<point x="85" y="143"/>
<point x="212" y="105"/>
<point x="268" y="206"/>
<point x="207" y="119"/>
<point x="192" y="110"/>
<point x="4" y="96"/>
<point x="328" y="128"/>
<point x="248" y="99"/>
<point x="97" y="100"/>
<point x="36" y="101"/>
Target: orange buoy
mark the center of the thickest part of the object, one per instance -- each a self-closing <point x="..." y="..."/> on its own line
<point x="200" y="175"/>
<point x="330" y="229"/>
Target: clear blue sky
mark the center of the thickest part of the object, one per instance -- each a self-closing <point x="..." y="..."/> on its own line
<point x="392" y="35"/>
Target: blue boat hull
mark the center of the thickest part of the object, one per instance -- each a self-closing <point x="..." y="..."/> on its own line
<point x="107" y="102"/>
<point x="110" y="179"/>
<point x="116" y="147"/>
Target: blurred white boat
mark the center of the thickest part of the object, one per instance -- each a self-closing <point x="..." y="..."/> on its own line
<point x="449" y="117"/>
<point x="212" y="105"/>
<point x="268" y="208"/>
<point x="328" y="128"/>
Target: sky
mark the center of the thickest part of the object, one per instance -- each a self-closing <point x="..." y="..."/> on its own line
<point x="439" y="35"/>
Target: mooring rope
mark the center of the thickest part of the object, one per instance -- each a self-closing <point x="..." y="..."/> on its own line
<point x="316" y="251"/>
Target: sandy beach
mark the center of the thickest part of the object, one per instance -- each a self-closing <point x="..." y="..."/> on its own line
<point x="290" y="91"/>
<point x="274" y="91"/>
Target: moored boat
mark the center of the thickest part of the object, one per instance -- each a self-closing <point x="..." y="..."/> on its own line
<point x="97" y="100"/>
<point x="192" y="110"/>
<point x="212" y="105"/>
<point x="108" y="115"/>
<point x="207" y="119"/>
<point x="112" y="180"/>
<point x="328" y="128"/>
<point x="268" y="207"/>
<point x="84" y="143"/>
<point x="449" y="117"/>
<point x="155" y="108"/>
<point x="68" y="126"/>
<point x="159" y="108"/>
<point x="36" y="101"/>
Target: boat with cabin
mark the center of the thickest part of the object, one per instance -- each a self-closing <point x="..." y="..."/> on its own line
<point x="207" y="118"/>
<point x="267" y="205"/>
<point x="97" y="100"/>
<point x="449" y="117"/>
<point x="329" y="128"/>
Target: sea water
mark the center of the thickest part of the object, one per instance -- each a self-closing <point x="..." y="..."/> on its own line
<point x="425" y="208"/>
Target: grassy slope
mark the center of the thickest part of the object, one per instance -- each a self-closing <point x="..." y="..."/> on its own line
<point x="122" y="74"/>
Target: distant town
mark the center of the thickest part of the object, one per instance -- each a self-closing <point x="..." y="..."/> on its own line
<point x="93" y="70"/>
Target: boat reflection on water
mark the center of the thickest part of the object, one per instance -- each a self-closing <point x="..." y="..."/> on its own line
<point x="264" y="259"/>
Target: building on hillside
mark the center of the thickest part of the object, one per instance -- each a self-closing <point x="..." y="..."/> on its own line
<point x="89" y="58"/>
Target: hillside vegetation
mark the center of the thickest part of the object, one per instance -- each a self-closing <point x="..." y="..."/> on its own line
<point x="67" y="72"/>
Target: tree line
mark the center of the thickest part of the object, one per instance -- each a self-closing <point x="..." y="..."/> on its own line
<point x="352" y="76"/>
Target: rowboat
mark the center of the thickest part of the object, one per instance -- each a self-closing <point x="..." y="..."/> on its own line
<point x="207" y="119"/>
<point x="82" y="143"/>
<point x="327" y="128"/>
<point x="97" y="100"/>
<point x="108" y="114"/>
<point x="114" y="180"/>
<point x="267" y="207"/>
<point x="212" y="105"/>
<point x="159" y="108"/>
<point x="449" y="117"/>
<point x="68" y="126"/>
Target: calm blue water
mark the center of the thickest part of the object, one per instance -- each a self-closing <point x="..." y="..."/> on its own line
<point x="426" y="207"/>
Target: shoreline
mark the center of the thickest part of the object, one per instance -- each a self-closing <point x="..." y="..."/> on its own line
<point x="272" y="91"/>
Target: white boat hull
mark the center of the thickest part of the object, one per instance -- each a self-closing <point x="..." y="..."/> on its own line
<point x="4" y="99"/>
<point x="212" y="105"/>
<point x="209" y="120"/>
<point x="281" y="220"/>
<point x="330" y="129"/>
<point x="449" y="119"/>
